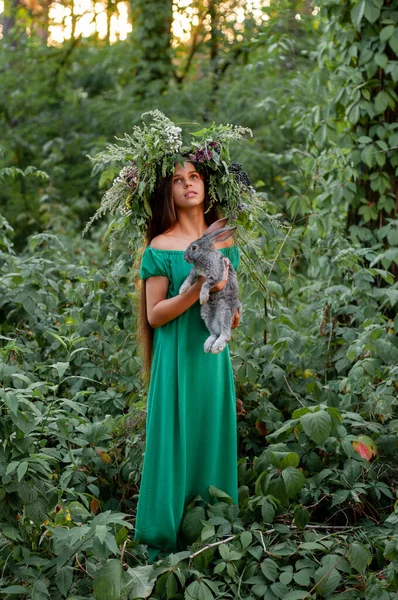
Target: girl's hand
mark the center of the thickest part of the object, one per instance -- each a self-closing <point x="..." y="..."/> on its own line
<point x="219" y="286"/>
<point x="236" y="319"/>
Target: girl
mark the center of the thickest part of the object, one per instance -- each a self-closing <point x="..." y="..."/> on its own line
<point x="191" y="419"/>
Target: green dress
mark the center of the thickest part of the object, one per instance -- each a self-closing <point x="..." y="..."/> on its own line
<point x="191" y="440"/>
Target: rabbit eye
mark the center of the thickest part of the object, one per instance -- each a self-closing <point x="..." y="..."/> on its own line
<point x="194" y="247"/>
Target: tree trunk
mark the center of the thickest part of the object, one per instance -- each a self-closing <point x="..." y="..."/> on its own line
<point x="214" y="32"/>
<point x="108" y="23"/>
<point x="152" y="21"/>
<point x="74" y="20"/>
<point x="40" y="20"/>
<point x="8" y="21"/>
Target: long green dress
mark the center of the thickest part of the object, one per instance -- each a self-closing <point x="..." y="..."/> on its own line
<point x="191" y="440"/>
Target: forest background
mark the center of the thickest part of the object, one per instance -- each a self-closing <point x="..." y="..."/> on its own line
<point x="315" y="356"/>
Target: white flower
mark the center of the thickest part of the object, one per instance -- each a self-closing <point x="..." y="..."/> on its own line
<point x="173" y="138"/>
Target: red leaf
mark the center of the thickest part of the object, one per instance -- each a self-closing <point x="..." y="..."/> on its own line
<point x="261" y="428"/>
<point x="365" y="447"/>
<point x="362" y="450"/>
<point x="240" y="409"/>
<point x="104" y="456"/>
<point x="94" y="505"/>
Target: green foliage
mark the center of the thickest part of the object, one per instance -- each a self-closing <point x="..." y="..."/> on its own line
<point x="14" y="172"/>
<point x="315" y="360"/>
<point x="358" y="112"/>
<point x="71" y="422"/>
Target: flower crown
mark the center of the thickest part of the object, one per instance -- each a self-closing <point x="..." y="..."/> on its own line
<point x="151" y="152"/>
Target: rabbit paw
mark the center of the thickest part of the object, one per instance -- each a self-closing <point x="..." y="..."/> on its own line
<point x="209" y="343"/>
<point x="219" y="345"/>
<point x="204" y="296"/>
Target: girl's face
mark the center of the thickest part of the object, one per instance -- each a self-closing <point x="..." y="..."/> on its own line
<point x="188" y="186"/>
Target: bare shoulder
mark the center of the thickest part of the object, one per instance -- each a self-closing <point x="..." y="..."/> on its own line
<point x="229" y="242"/>
<point x="166" y="242"/>
<point x="162" y="242"/>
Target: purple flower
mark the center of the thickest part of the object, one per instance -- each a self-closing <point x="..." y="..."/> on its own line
<point x="216" y="146"/>
<point x="201" y="155"/>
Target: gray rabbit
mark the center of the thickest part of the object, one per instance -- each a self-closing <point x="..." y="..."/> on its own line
<point x="217" y="309"/>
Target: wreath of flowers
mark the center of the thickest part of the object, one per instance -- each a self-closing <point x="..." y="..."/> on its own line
<point x="151" y="152"/>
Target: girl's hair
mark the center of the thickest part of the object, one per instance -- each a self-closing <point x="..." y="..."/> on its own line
<point x="163" y="218"/>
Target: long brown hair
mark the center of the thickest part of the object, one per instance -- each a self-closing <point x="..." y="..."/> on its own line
<point x="163" y="218"/>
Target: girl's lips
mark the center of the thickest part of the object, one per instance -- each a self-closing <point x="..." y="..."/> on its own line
<point x="189" y="194"/>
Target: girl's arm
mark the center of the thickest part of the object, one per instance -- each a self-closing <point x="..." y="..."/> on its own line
<point x="161" y="310"/>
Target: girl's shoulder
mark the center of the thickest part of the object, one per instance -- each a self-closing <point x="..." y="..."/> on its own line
<point x="229" y="242"/>
<point x="163" y="242"/>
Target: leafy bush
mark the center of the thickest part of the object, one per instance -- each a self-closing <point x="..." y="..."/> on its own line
<point x="315" y="357"/>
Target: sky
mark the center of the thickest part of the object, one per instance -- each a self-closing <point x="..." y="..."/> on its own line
<point x="91" y="18"/>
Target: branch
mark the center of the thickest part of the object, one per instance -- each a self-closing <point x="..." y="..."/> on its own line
<point x="62" y="62"/>
<point x="262" y="539"/>
<point x="268" y="532"/>
<point x="328" y="527"/>
<point x="194" y="46"/>
<point x="232" y="537"/>
<point x="123" y="550"/>
<point x="324" y="576"/>
<point x="295" y="395"/>
<point x="81" y="566"/>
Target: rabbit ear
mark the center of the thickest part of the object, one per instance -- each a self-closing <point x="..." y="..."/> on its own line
<point x="223" y="234"/>
<point x="216" y="225"/>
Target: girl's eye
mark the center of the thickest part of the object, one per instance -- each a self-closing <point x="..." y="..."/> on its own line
<point x="178" y="180"/>
<point x="194" y="176"/>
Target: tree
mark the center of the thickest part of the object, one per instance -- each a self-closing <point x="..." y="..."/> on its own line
<point x="152" y="21"/>
<point x="9" y="21"/>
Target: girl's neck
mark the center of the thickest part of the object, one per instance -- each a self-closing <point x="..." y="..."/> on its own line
<point x="189" y="226"/>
